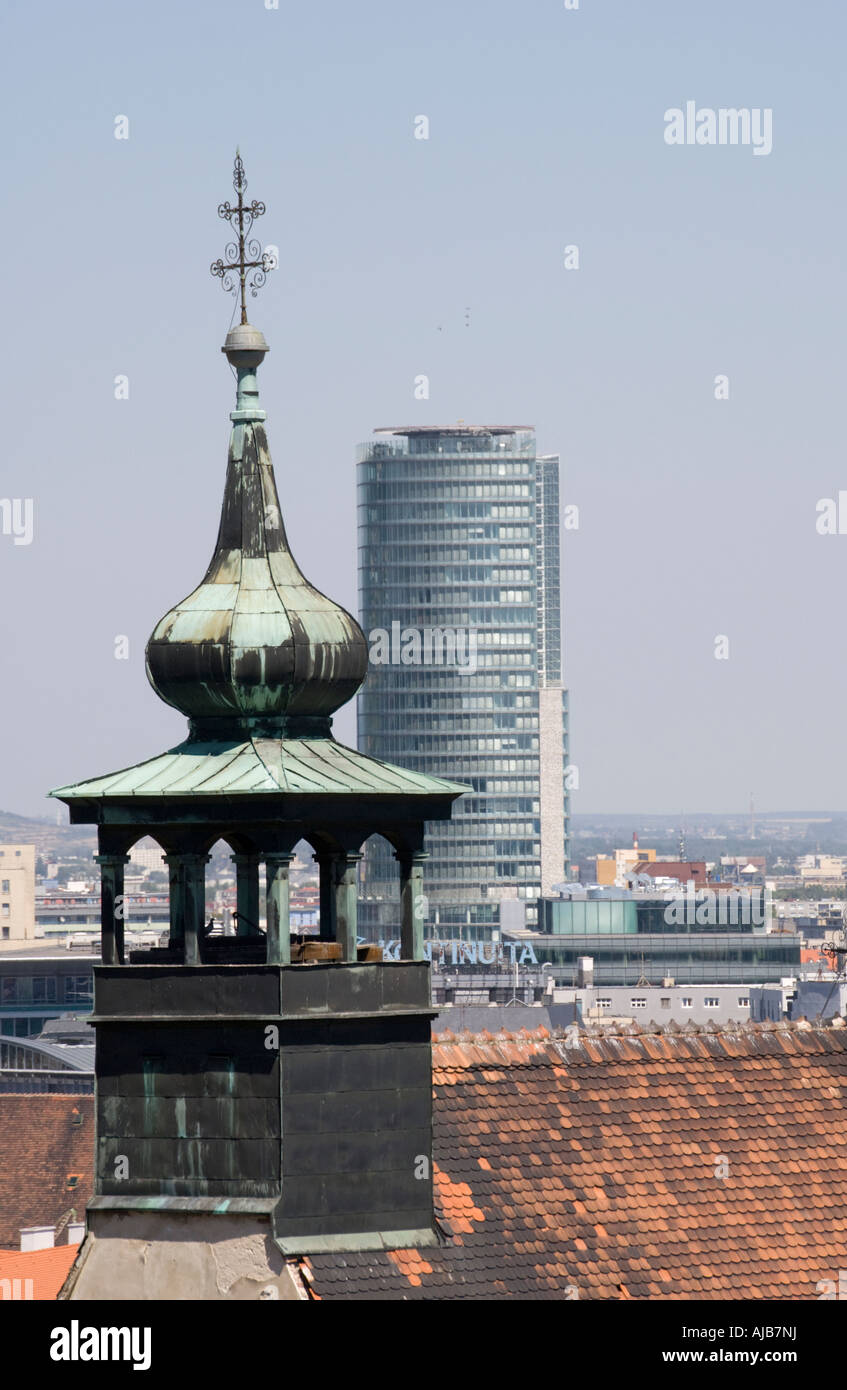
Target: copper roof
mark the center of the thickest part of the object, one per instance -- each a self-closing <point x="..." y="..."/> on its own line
<point x="260" y="765"/>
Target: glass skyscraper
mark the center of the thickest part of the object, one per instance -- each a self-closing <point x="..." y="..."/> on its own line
<point x="459" y="593"/>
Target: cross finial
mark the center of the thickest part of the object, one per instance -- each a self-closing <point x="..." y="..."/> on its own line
<point x="246" y="253"/>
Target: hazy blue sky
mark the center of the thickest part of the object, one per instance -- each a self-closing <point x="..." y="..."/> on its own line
<point x="547" y="129"/>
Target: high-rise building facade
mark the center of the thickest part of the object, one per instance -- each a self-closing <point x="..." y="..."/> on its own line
<point x="459" y="587"/>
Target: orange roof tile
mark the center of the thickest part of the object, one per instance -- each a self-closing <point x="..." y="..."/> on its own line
<point x="35" y="1274"/>
<point x="541" y="1137"/>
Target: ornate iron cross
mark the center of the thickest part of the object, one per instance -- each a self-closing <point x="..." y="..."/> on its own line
<point x="246" y="254"/>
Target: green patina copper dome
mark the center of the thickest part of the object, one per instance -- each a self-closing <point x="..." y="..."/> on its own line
<point x="259" y="660"/>
<point x="255" y="642"/>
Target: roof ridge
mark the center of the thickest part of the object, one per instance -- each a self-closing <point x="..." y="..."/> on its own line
<point x="612" y="1042"/>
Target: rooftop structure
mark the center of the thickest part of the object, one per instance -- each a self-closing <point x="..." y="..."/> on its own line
<point x="42" y="1054"/>
<point x="258" y="660"/>
<point x="276" y="1090"/>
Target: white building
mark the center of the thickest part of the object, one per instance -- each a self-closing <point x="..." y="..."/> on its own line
<point x="17" y="892"/>
<point x="147" y="855"/>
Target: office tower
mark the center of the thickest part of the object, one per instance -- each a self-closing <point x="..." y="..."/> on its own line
<point x="459" y="597"/>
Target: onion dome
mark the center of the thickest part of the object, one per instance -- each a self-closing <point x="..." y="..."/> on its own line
<point x="255" y="648"/>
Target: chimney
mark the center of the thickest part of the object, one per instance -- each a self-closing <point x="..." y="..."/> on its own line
<point x="38" y="1237"/>
<point x="585" y="972"/>
<point x="635" y="839"/>
<point x="76" y="1232"/>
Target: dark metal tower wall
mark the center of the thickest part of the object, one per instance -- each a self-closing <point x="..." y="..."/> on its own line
<point x="300" y="1095"/>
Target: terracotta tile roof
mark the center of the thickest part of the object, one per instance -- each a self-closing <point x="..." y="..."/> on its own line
<point x="681" y="1163"/>
<point x="46" y="1141"/>
<point x="37" y="1274"/>
<point x="683" y="870"/>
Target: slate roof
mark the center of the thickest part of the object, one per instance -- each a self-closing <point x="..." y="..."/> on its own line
<point x="594" y="1171"/>
<point x="42" y="1147"/>
<point x="316" y="765"/>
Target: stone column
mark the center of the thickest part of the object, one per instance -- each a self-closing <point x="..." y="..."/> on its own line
<point x="112" y="907"/>
<point x="346" y="902"/>
<point x="278" y="908"/>
<point x="187" y="873"/>
<point x="195" y="905"/>
<point x="411" y="903"/>
<point x="247" y="893"/>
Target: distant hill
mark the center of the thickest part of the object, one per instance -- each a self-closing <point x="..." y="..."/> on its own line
<point x="48" y="838"/>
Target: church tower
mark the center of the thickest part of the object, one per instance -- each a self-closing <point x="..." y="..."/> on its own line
<point x="257" y="1097"/>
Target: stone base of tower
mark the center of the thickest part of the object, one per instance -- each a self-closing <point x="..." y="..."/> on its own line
<point x="161" y="1256"/>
